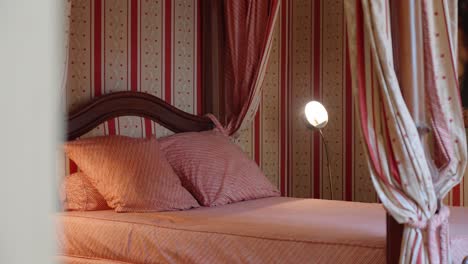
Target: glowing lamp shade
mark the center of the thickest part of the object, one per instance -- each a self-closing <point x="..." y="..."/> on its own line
<point x="316" y="114"/>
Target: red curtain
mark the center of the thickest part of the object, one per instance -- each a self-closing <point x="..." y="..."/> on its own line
<point x="248" y="27"/>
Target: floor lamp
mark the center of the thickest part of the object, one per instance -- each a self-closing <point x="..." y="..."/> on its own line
<point x="317" y="118"/>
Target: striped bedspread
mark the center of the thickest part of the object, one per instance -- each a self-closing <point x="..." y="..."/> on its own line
<point x="269" y="230"/>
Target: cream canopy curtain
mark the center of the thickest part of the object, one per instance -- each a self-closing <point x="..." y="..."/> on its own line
<point x="408" y="181"/>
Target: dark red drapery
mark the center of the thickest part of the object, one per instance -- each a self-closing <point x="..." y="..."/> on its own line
<point x="248" y="27"/>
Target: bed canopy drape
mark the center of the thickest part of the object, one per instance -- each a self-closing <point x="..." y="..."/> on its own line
<point x="412" y="171"/>
<point x="248" y="27"/>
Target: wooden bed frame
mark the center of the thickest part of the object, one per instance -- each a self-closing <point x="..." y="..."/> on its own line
<point x="118" y="104"/>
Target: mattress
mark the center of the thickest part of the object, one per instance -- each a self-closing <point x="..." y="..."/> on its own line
<point x="269" y="230"/>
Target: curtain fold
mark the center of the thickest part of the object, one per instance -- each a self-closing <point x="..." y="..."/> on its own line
<point x="409" y="180"/>
<point x="248" y="28"/>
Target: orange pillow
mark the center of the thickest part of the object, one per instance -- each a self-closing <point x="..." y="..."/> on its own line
<point x="131" y="174"/>
<point x="79" y="194"/>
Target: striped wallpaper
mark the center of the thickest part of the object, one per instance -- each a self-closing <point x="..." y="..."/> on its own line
<point x="148" y="46"/>
<point x="155" y="46"/>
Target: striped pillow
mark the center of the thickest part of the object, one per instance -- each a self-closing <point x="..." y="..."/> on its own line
<point x="214" y="170"/>
<point x="79" y="194"/>
<point x="131" y="174"/>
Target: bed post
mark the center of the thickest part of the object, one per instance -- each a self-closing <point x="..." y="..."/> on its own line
<point x="212" y="58"/>
<point x="394" y="236"/>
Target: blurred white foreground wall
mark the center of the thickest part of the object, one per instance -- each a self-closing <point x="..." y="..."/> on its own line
<point x="31" y="47"/>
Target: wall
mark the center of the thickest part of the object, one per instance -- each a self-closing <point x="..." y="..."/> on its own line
<point x="308" y="61"/>
<point x="148" y="46"/>
<point x="31" y="65"/>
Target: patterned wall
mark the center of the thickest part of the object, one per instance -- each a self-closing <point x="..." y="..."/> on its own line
<point x="154" y="46"/>
<point x="149" y="46"/>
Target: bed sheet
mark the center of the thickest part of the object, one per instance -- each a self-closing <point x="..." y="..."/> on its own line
<point x="269" y="230"/>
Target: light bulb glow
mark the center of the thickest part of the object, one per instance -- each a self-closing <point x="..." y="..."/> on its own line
<point x="316" y="114"/>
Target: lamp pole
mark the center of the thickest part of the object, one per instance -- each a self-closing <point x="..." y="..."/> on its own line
<point x="330" y="181"/>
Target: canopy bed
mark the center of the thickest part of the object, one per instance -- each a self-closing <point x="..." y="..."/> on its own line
<point x="267" y="230"/>
<point x="417" y="152"/>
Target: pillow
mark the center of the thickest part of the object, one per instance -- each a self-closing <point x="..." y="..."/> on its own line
<point x="79" y="194"/>
<point x="214" y="170"/>
<point x="131" y="174"/>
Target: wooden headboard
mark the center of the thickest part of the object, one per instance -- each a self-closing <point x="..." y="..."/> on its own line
<point x="118" y="104"/>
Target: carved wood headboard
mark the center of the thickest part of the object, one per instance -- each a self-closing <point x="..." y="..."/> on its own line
<point x="118" y="104"/>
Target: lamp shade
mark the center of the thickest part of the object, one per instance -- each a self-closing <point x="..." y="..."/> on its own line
<point x="316" y="114"/>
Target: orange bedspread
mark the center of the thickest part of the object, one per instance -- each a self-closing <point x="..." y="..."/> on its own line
<point x="270" y="230"/>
